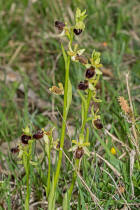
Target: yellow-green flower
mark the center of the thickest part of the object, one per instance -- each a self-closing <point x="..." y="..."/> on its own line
<point x="80" y="145"/>
<point x="75" y="52"/>
<point x="95" y="62"/>
<point x="49" y="141"/>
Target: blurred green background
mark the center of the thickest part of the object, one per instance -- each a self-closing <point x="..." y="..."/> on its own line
<point x="31" y="59"/>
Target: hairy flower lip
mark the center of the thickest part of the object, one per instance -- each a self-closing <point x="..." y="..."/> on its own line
<point x="90" y="72"/>
<point x="38" y="135"/>
<point x="83" y="85"/>
<point x="15" y="149"/>
<point x="97" y="123"/>
<point x="60" y="25"/>
<point x="79" y="152"/>
<point x="25" y="139"/>
<point x="77" y="31"/>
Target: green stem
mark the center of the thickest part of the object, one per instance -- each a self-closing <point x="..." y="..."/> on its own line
<point x="27" y="185"/>
<point x="74" y="178"/>
<point x="27" y="155"/>
<point x="63" y="122"/>
<point x="82" y="132"/>
<point x="86" y="111"/>
<point x="49" y="173"/>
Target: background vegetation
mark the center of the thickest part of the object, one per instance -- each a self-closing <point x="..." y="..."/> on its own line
<point x="31" y="61"/>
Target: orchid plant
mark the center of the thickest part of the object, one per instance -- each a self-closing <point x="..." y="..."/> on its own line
<point x="87" y="92"/>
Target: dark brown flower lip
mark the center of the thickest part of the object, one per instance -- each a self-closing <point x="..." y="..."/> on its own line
<point x="83" y="85"/>
<point x="25" y="138"/>
<point x="90" y="72"/>
<point x="77" y="31"/>
<point x="98" y="124"/>
<point x="79" y="152"/>
<point x="15" y="149"/>
<point x="60" y="25"/>
<point x="38" y="135"/>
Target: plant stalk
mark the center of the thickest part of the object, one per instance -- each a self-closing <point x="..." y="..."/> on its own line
<point x="77" y="161"/>
<point x="49" y="173"/>
<point x="27" y="185"/>
<point x="86" y="111"/>
<point x="82" y="132"/>
<point x="67" y="65"/>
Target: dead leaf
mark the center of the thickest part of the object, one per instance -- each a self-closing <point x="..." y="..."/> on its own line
<point x="124" y="208"/>
<point x="8" y="75"/>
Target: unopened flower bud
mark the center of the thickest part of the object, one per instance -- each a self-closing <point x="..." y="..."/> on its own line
<point x="79" y="152"/>
<point x="25" y="139"/>
<point x="77" y="31"/>
<point x="90" y="72"/>
<point x="98" y="124"/>
<point x="15" y="149"/>
<point x="58" y="145"/>
<point x="38" y="135"/>
<point x="59" y="25"/>
<point x="83" y="85"/>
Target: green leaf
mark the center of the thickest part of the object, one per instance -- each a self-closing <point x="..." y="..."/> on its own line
<point x="66" y="202"/>
<point x="46" y="139"/>
<point x="69" y="96"/>
<point x="82" y="200"/>
<point x="51" y="199"/>
<point x="86" y="151"/>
